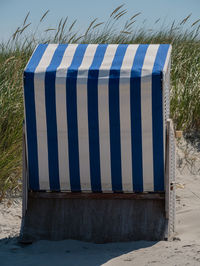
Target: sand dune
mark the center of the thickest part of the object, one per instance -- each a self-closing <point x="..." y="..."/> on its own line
<point x="183" y="250"/>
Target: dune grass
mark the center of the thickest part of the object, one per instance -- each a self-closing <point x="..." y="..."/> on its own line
<point x="185" y="74"/>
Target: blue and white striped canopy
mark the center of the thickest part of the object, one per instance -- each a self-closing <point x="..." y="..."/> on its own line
<point x="94" y="117"/>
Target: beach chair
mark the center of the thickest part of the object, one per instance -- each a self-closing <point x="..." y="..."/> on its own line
<point x="98" y="145"/>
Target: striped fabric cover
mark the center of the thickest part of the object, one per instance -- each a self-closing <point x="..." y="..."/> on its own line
<point x="94" y="117"/>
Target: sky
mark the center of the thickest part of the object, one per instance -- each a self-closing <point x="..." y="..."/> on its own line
<point x="13" y="12"/>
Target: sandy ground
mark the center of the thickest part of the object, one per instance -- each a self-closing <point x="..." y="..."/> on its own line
<point x="184" y="249"/>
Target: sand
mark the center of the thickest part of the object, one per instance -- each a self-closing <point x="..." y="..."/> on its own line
<point x="184" y="249"/>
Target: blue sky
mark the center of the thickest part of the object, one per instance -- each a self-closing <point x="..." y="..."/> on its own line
<point x="13" y="12"/>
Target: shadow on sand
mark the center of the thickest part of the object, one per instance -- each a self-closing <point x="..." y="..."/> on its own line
<point x="66" y="252"/>
<point x="193" y="138"/>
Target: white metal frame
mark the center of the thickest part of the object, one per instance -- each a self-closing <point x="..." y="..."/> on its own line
<point x="170" y="165"/>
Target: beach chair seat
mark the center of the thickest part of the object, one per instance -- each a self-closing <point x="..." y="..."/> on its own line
<point x="98" y="143"/>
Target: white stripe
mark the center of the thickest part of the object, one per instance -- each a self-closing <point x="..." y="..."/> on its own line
<point x="61" y="116"/>
<point x="167" y="60"/>
<point x="39" y="88"/>
<point x="82" y="113"/>
<point x="165" y="97"/>
<point x="166" y="86"/>
<point x="146" y="113"/>
<point x="125" y="118"/>
<point x="104" y="127"/>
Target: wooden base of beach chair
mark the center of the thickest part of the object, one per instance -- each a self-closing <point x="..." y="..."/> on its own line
<point x="94" y="217"/>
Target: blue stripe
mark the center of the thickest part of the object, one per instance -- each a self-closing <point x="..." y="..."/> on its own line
<point x="50" y="78"/>
<point x="157" y="118"/>
<point x="31" y="117"/>
<point x="114" y="117"/>
<point x="93" y="118"/>
<point x="136" y="123"/>
<point x="72" y="122"/>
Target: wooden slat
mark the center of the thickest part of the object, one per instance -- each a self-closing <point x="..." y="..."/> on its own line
<point x="84" y="195"/>
<point x="24" y="174"/>
<point x="167" y="170"/>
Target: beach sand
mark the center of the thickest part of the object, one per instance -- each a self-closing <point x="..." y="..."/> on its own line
<point x="184" y="249"/>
